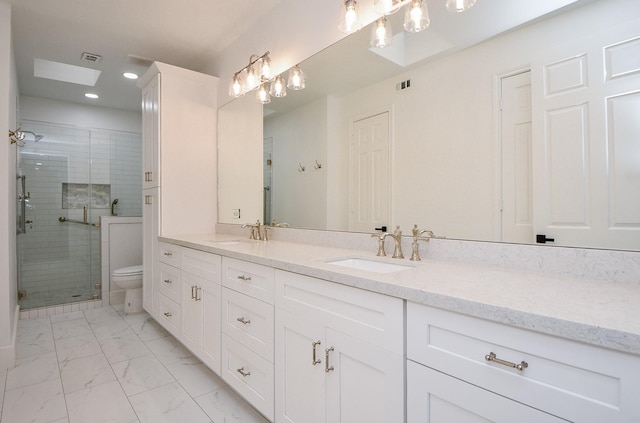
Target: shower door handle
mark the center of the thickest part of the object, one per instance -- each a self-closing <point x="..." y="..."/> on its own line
<point x="22" y="225"/>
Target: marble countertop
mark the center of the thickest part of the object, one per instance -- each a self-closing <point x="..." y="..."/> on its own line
<point x="601" y="313"/>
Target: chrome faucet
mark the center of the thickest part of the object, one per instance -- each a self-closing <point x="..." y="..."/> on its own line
<point x="417" y="236"/>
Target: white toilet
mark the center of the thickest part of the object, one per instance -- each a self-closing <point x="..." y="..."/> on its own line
<point x="130" y="278"/>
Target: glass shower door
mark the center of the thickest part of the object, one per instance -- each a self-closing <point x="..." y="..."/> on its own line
<point x="54" y="242"/>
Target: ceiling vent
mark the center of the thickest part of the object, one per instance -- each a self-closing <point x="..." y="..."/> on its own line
<point x="91" y="58"/>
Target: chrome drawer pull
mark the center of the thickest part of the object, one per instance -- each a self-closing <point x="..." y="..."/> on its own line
<point x="167" y="314"/>
<point x="314" y="360"/>
<point x="168" y="254"/>
<point x="193" y="292"/>
<point x="244" y="278"/>
<point x="198" y="294"/>
<point x="243" y="372"/>
<point x="492" y="357"/>
<point x="168" y="281"/>
<point x="327" y="369"/>
<point x="243" y="320"/>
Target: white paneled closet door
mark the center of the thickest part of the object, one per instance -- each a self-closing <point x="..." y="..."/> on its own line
<point x="517" y="201"/>
<point x="370" y="173"/>
<point x="586" y="157"/>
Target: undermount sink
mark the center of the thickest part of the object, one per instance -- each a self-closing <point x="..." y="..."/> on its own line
<point x="369" y="265"/>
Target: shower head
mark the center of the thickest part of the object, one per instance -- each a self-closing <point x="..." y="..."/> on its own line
<point x="36" y="136"/>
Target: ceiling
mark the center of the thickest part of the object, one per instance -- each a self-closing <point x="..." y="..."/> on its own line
<point x="128" y="35"/>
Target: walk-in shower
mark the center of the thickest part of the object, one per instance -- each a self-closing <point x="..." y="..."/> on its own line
<point x="67" y="178"/>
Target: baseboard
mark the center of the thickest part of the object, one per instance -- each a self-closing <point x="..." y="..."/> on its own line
<point x="8" y="352"/>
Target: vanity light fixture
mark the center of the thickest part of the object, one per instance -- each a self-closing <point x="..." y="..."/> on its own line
<point x="349" y="22"/>
<point x="416" y="17"/>
<point x="296" y="79"/>
<point x="257" y="75"/>
<point x="459" y="5"/>
<point x="381" y="35"/>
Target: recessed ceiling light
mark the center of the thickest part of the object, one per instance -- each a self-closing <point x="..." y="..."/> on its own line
<point x="91" y="95"/>
<point x="130" y="75"/>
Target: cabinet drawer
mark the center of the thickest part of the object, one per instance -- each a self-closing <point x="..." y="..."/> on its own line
<point x="202" y="264"/>
<point x="572" y="380"/>
<point x="168" y="314"/>
<point x="249" y="374"/>
<point x="170" y="254"/>
<point x="168" y="281"/>
<point x="248" y="321"/>
<point x="249" y="278"/>
<point x="433" y="397"/>
<point x="371" y="317"/>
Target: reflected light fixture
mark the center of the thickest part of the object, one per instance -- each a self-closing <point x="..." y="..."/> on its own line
<point x="296" y="79"/>
<point x="130" y="75"/>
<point x="91" y="95"/>
<point x="349" y="22"/>
<point x="416" y="17"/>
<point x="263" y="95"/>
<point x="258" y="75"/>
<point x="381" y="35"/>
<point x="278" y="87"/>
<point x="459" y="5"/>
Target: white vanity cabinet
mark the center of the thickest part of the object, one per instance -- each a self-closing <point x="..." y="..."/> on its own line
<point x="247" y="332"/>
<point x="462" y="368"/>
<point x="167" y="287"/>
<point x="179" y="112"/>
<point x="201" y="302"/>
<point x="339" y="353"/>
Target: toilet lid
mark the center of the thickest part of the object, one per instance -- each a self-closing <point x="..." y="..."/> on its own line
<point x="128" y="271"/>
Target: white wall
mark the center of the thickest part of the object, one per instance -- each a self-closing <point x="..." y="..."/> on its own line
<point x="79" y="115"/>
<point x="8" y="277"/>
<point x="299" y="138"/>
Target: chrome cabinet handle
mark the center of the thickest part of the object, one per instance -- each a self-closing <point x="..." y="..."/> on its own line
<point x="168" y="281"/>
<point x="492" y="357"/>
<point x="243" y="320"/>
<point x="314" y="359"/>
<point x="168" y="253"/>
<point x="243" y="372"/>
<point x="327" y="369"/>
<point x="244" y="278"/>
<point x="147" y="199"/>
<point x="168" y="314"/>
<point x="193" y="292"/>
<point x="198" y="293"/>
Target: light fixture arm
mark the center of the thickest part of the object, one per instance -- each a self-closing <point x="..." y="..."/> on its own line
<point x="252" y="61"/>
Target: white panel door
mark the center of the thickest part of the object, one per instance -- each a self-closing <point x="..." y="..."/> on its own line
<point x="364" y="383"/>
<point x="517" y="198"/>
<point x="587" y="150"/>
<point x="370" y="174"/>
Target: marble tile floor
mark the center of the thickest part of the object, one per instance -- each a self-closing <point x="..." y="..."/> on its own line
<point x="100" y="365"/>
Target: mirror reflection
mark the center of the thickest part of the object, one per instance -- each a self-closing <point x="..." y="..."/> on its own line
<point x="500" y="141"/>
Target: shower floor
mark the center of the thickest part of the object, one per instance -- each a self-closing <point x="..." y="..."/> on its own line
<point x="36" y="299"/>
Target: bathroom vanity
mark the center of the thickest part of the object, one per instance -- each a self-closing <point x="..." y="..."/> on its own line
<point x="306" y="340"/>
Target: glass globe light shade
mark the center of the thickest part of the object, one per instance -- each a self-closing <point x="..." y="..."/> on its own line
<point x="263" y="95"/>
<point x="416" y="17"/>
<point x="459" y="5"/>
<point x="278" y="87"/>
<point x="296" y="79"/>
<point x="349" y="22"/>
<point x="381" y="35"/>
<point x="236" y="88"/>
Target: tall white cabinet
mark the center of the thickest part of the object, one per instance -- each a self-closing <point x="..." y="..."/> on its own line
<point x="179" y="110"/>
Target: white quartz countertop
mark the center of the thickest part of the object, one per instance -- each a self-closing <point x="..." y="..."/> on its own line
<point x="601" y="313"/>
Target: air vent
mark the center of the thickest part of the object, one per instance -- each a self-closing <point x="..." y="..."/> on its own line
<point x="91" y="58"/>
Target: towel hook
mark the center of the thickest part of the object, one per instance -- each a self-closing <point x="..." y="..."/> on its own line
<point x="300" y="167"/>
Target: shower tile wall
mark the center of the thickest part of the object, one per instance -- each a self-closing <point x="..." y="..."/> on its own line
<point x="60" y="262"/>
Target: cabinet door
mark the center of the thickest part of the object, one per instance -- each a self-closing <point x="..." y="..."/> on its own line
<point x="150" y="251"/>
<point x="300" y="395"/>
<point x="211" y="318"/>
<point x="434" y="397"/>
<point x="150" y="131"/>
<point x="364" y="383"/>
<point x="192" y="311"/>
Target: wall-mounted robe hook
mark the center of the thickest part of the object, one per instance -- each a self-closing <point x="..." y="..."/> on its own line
<point x="300" y="167"/>
<point x="318" y="165"/>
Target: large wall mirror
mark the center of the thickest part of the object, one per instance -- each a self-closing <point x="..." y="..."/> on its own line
<point x="533" y="131"/>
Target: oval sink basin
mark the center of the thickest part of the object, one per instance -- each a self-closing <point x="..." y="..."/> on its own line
<point x="370" y="265"/>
